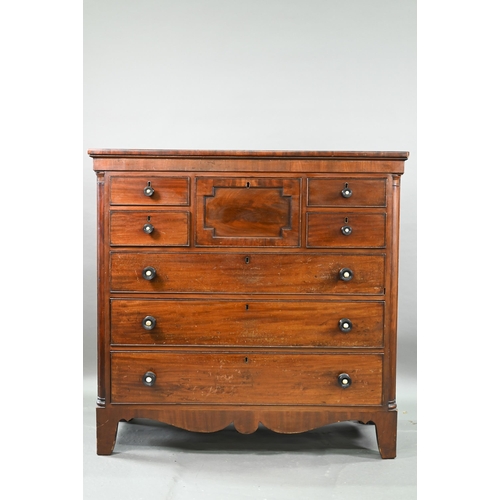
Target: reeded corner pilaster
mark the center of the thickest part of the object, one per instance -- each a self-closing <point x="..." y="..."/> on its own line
<point x="392" y="405"/>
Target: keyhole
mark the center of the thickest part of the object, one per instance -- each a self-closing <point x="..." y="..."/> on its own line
<point x="247" y="260"/>
<point x="246" y="307"/>
<point x="248" y="184"/>
<point x="149" y="218"/>
<point x="346" y="220"/>
<point x="246" y="360"/>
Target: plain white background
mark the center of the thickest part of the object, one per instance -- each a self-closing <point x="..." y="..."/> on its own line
<point x="45" y="204"/>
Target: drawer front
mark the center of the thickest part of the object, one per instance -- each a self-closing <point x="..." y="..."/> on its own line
<point x="165" y="190"/>
<point x="149" y="228"/>
<point x="246" y="378"/>
<point x="360" y="192"/>
<point x="247" y="273"/>
<point x="247" y="323"/>
<point x="248" y="212"/>
<point x="345" y="230"/>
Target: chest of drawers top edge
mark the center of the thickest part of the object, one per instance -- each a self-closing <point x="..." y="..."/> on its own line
<point x="219" y="160"/>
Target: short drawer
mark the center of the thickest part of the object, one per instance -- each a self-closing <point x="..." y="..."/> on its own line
<point x="149" y="190"/>
<point x="245" y="378"/>
<point x="346" y="192"/>
<point x="311" y="273"/>
<point x="247" y="323"/>
<point x="149" y="228"/>
<point x="345" y="230"/>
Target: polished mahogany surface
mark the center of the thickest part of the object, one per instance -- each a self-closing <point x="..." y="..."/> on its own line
<point x="247" y="286"/>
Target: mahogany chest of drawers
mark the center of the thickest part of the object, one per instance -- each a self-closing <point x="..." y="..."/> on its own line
<point x="247" y="287"/>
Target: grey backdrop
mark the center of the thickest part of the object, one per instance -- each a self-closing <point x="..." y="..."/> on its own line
<point x="259" y="74"/>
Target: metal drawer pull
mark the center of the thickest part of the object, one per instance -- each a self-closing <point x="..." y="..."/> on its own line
<point x="345" y="325"/>
<point x="347" y="191"/>
<point x="149" y="379"/>
<point x="346" y="274"/>
<point x="148" y="190"/>
<point x="344" y="380"/>
<point x="148" y="228"/>
<point x="149" y="322"/>
<point x="148" y="273"/>
<point x="347" y="230"/>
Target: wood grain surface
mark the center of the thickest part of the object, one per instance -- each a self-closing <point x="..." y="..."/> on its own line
<point x="246" y="378"/>
<point x="247" y="323"/>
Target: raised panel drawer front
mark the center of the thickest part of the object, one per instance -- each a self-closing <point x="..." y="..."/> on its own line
<point x="247" y="323"/>
<point x="149" y="228"/>
<point x="248" y="212"/>
<point x="149" y="190"/>
<point x="346" y="192"/>
<point x="246" y="378"/>
<point x="345" y="230"/>
<point x="247" y="273"/>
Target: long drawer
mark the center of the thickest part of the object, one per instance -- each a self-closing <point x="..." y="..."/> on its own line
<point x="247" y="273"/>
<point x="247" y="323"/>
<point x="245" y="378"/>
